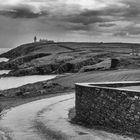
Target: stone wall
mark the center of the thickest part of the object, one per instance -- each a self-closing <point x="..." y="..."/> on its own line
<point x="109" y="107"/>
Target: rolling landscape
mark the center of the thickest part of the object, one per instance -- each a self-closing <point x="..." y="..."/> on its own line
<point x="74" y="62"/>
<point x="59" y="58"/>
<point x="69" y="70"/>
<point x="71" y="62"/>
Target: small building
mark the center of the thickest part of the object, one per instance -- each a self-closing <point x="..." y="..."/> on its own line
<point x="135" y="52"/>
<point x="46" y="41"/>
<point x="35" y="39"/>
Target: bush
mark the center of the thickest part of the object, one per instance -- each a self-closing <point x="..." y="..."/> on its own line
<point x="1" y="108"/>
<point x="72" y="113"/>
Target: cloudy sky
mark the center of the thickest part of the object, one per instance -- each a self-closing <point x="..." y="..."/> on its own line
<point x="69" y="20"/>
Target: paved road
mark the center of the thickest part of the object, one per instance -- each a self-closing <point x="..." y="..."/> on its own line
<point x="47" y="119"/>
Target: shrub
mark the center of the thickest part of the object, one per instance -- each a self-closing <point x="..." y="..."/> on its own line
<point x="1" y="108"/>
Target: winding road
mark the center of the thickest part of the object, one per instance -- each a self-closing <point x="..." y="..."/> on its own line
<point x="47" y="119"/>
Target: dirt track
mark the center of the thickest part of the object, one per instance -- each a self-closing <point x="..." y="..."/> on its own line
<point x="47" y="120"/>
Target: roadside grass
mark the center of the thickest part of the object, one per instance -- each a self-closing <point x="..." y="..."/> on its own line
<point x="4" y="135"/>
<point x="49" y="133"/>
<point x="98" y="76"/>
<point x="9" y="102"/>
<point x="71" y="114"/>
<point x="1" y="109"/>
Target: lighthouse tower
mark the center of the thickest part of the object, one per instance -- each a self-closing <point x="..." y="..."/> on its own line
<point x="35" y="39"/>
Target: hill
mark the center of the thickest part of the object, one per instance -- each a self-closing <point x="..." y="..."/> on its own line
<point x="69" y="57"/>
<point x="64" y="84"/>
<point x="100" y="76"/>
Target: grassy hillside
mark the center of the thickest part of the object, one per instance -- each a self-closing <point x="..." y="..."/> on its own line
<point x="31" y="48"/>
<point x="104" y="76"/>
<point x="71" y="59"/>
<point x="66" y="57"/>
<point x="25" y="49"/>
<point x="67" y="83"/>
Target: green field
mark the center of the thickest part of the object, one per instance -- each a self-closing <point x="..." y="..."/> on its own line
<point x="102" y="76"/>
<point x="69" y="57"/>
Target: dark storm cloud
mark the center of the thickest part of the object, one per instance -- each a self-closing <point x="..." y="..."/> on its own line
<point x="134" y="32"/>
<point x="85" y="20"/>
<point x="85" y="16"/>
<point x="131" y="30"/>
<point x="21" y="11"/>
<point x="59" y="18"/>
<point x="74" y="26"/>
<point x="107" y="24"/>
<point x="112" y="16"/>
<point x="133" y="9"/>
<point x="108" y="14"/>
<point x="120" y="33"/>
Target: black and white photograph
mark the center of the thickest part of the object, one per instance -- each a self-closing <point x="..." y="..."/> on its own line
<point x="69" y="70"/>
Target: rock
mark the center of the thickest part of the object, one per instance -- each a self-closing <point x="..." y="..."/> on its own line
<point x="23" y="59"/>
<point x="115" y="63"/>
<point x="75" y="65"/>
<point x="23" y="72"/>
<point x="39" y="88"/>
<point x="1" y="108"/>
<point x="104" y="65"/>
<point x="21" y="50"/>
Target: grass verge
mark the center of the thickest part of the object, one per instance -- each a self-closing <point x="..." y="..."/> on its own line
<point x="1" y="108"/>
<point x="49" y="133"/>
<point x="9" y="102"/>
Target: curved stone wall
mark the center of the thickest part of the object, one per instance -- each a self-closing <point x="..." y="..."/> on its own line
<point x="105" y="105"/>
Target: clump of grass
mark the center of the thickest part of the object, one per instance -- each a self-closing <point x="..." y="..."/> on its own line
<point x="72" y="114"/>
<point x="1" y="108"/>
<point x="49" y="133"/>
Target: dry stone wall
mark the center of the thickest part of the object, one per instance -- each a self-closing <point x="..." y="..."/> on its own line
<point x="108" y="107"/>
